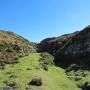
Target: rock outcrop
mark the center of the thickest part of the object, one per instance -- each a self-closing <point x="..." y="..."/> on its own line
<point x="51" y="45"/>
<point x="77" y="50"/>
<point x="70" y="48"/>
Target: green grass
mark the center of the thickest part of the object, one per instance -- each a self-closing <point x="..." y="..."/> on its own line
<point x="53" y="79"/>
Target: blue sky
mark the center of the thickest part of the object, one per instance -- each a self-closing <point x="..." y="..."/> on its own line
<point x="39" y="19"/>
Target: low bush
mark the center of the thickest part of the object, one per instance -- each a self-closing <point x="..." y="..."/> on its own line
<point x="11" y="84"/>
<point x="36" y="82"/>
<point x="45" y="67"/>
<point x="2" y="65"/>
<point x="13" y="76"/>
<point x="46" y="60"/>
<point x="74" y="67"/>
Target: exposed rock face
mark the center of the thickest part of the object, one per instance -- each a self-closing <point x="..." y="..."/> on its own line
<point x="77" y="50"/>
<point x="51" y="45"/>
<point x="69" y="48"/>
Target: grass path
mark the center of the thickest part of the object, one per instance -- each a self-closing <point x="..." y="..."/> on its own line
<point x="28" y="68"/>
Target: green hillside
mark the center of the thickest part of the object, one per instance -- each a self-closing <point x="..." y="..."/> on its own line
<point x="19" y="75"/>
<point x="12" y="47"/>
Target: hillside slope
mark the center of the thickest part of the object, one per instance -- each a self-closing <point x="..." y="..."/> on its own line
<point x="13" y="46"/>
<point x="51" y="45"/>
<point x="77" y="50"/>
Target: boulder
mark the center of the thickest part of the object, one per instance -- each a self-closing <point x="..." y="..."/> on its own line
<point x="86" y="86"/>
<point x="36" y="82"/>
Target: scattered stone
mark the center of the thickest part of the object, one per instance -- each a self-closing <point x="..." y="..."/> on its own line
<point x="86" y="86"/>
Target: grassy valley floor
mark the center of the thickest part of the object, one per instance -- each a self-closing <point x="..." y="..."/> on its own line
<point x="28" y="68"/>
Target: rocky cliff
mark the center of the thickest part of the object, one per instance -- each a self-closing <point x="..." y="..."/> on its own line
<point x="51" y="45"/>
<point x="77" y="50"/>
<point x="70" y="48"/>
